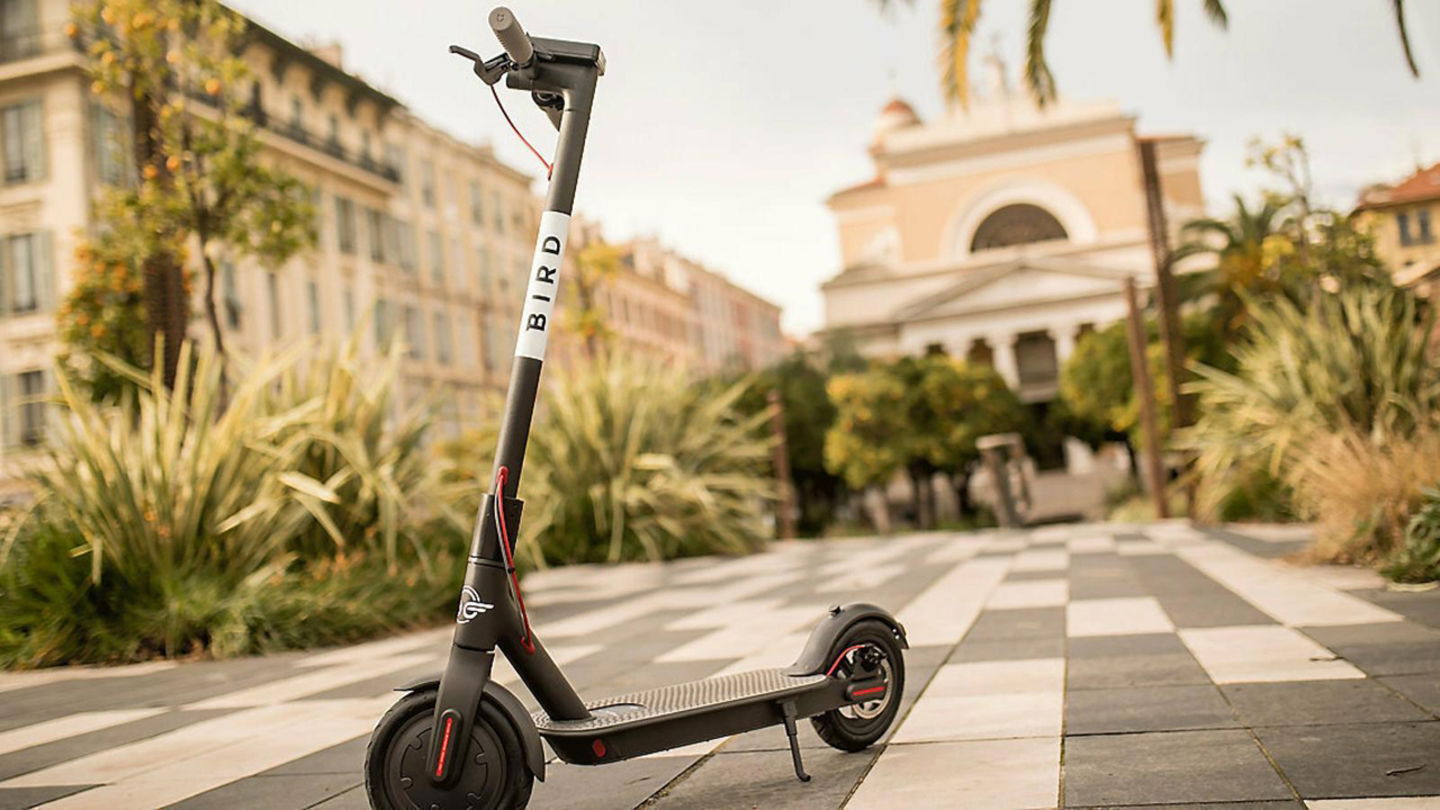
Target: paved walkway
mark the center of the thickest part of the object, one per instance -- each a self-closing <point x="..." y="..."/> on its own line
<point x="1075" y="666"/>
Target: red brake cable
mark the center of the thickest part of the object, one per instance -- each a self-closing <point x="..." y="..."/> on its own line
<point x="549" y="167"/>
<point x="501" y="476"/>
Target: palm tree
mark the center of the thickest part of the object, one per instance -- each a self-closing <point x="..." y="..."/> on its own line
<point x="1245" y="247"/>
<point x="957" y="25"/>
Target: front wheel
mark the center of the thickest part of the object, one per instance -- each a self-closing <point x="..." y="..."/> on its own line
<point x="495" y="776"/>
<point x="854" y="727"/>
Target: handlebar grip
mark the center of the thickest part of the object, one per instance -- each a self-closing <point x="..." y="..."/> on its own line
<point x="512" y="37"/>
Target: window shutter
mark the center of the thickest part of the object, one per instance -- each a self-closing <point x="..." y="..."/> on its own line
<point x="5" y="281"/>
<point x="7" y="412"/>
<point x="32" y="121"/>
<point x="42" y="256"/>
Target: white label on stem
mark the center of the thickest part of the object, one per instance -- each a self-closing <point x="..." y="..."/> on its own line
<point x="537" y="319"/>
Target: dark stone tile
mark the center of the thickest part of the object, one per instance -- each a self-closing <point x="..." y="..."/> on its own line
<point x="1303" y="703"/>
<point x="370" y="687"/>
<point x="623" y="784"/>
<point x="352" y="799"/>
<point x="278" y="792"/>
<point x="1422" y="608"/>
<point x="1149" y="708"/>
<point x="1422" y="689"/>
<point x="23" y="798"/>
<point x="1168" y="574"/>
<point x="1133" y="644"/>
<point x="1220" y="608"/>
<point x="1031" y="576"/>
<point x="1392" y="659"/>
<point x="1170" y="767"/>
<point x="1164" y="669"/>
<point x="1358" y="760"/>
<point x="1260" y="548"/>
<point x="1352" y="635"/>
<point x="36" y="757"/>
<point x="347" y="758"/>
<point x="1016" y="650"/>
<point x="1121" y="586"/>
<point x="767" y="780"/>
<point x="1207" y="806"/>
<point x="1006" y="625"/>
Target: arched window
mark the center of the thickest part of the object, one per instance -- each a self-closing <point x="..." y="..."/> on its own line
<point x="1017" y="224"/>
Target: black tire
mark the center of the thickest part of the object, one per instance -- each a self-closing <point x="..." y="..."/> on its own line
<point x="496" y="776"/>
<point x="855" y="728"/>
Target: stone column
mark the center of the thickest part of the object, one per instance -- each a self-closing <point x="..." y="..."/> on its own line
<point x="1003" y="347"/>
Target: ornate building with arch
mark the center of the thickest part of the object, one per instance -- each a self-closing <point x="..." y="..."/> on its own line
<point x="1001" y="234"/>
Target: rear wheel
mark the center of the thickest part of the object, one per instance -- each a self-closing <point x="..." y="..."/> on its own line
<point x="495" y="776"/>
<point x="859" y="725"/>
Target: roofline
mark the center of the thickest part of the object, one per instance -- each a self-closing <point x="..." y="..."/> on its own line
<point x="266" y="36"/>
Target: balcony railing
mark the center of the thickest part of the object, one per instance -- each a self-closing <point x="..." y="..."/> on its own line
<point x="15" y="46"/>
<point x="299" y="134"/>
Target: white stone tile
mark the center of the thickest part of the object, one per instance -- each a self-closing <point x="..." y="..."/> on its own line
<point x="983" y="717"/>
<point x="1282" y="590"/>
<point x="436" y="640"/>
<point x="746" y="633"/>
<point x="313" y="681"/>
<point x="1042" y="559"/>
<point x="1116" y="617"/>
<point x="1006" y="543"/>
<point x="1263" y="653"/>
<point x="24" y="680"/>
<point x="1091" y="544"/>
<point x="943" y="612"/>
<point x="780" y="651"/>
<point x="70" y="725"/>
<point x="1034" y="675"/>
<point x="1030" y="594"/>
<point x="1019" y="774"/>
<point x="311" y="727"/>
<point x="860" y="578"/>
<point x="1401" y="803"/>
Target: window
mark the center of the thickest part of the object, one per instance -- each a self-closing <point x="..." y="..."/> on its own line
<point x="467" y="340"/>
<point x="375" y="226"/>
<point x="427" y="182"/>
<point x="312" y="301"/>
<point x="32" y="407"/>
<point x="382" y="323"/>
<point x="23" y="142"/>
<point x="19" y="30"/>
<point x="349" y="304"/>
<point x="395" y="159"/>
<point x="477" y="204"/>
<point x="345" y="224"/>
<point x="443" y="344"/>
<point x="333" y="136"/>
<point x="403" y="243"/>
<point x="272" y="289"/>
<point x="484" y="270"/>
<point x="112" y="146"/>
<point x="414" y="333"/>
<point x="436" y="249"/>
<point x="1018" y="224"/>
<point x="365" y="146"/>
<point x="26" y="276"/>
<point x="231" y="292"/>
<point x="297" y="114"/>
<point x="1423" y="234"/>
<point x="1403" y="220"/>
<point x="456" y="262"/>
<point x="497" y="205"/>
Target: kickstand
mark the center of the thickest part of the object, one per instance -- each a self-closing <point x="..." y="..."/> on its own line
<point x="787" y="711"/>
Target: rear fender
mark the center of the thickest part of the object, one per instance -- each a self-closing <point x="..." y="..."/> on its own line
<point x="814" y="659"/>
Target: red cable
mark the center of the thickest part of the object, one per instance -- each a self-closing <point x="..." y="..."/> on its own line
<point x="841" y="657"/>
<point x="501" y="476"/>
<point x="549" y="167"/>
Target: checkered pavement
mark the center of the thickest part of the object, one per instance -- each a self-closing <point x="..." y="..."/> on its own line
<point x="1075" y="666"/>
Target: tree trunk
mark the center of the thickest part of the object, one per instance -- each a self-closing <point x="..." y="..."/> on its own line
<point x="960" y="482"/>
<point x="1134" y="459"/>
<point x="211" y="314"/>
<point x="167" y="307"/>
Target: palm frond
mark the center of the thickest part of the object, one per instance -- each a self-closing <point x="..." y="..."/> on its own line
<point x="1037" y="71"/>
<point x="1165" y="19"/>
<point x="1399" y="7"/>
<point x="1215" y="10"/>
<point x="957" y="25"/>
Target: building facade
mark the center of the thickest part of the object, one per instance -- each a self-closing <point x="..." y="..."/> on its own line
<point x="1000" y="235"/>
<point x="1404" y="219"/>
<point x="426" y="236"/>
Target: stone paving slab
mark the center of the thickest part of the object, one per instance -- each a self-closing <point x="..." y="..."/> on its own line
<point x="1092" y="666"/>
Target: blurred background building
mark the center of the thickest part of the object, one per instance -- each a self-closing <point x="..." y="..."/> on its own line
<point x="1001" y="234"/>
<point x="1403" y="220"/>
<point x="426" y="235"/>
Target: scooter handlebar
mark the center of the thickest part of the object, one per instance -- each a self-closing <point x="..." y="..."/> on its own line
<point x="512" y="37"/>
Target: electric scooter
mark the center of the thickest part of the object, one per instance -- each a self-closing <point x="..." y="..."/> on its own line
<point x="460" y="740"/>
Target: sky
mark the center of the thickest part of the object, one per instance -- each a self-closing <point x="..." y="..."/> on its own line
<point x="722" y="127"/>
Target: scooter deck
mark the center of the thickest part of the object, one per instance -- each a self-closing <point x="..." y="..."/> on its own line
<point x="656" y="719"/>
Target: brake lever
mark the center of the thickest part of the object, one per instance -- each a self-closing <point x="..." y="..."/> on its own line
<point x="552" y="104"/>
<point x="491" y="70"/>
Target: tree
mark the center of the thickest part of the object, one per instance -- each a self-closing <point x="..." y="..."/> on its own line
<point x="1245" y="247"/>
<point x="958" y="19"/>
<point x="104" y="314"/>
<point x="198" y="176"/>
<point x="865" y="445"/>
<point x="595" y="265"/>
<point x="808" y="414"/>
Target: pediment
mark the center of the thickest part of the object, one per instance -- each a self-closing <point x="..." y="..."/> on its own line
<point x="1014" y="284"/>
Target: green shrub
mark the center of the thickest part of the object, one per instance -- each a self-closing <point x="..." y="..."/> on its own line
<point x="1419" y="559"/>
<point x="629" y="460"/>
<point x="173" y="524"/>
